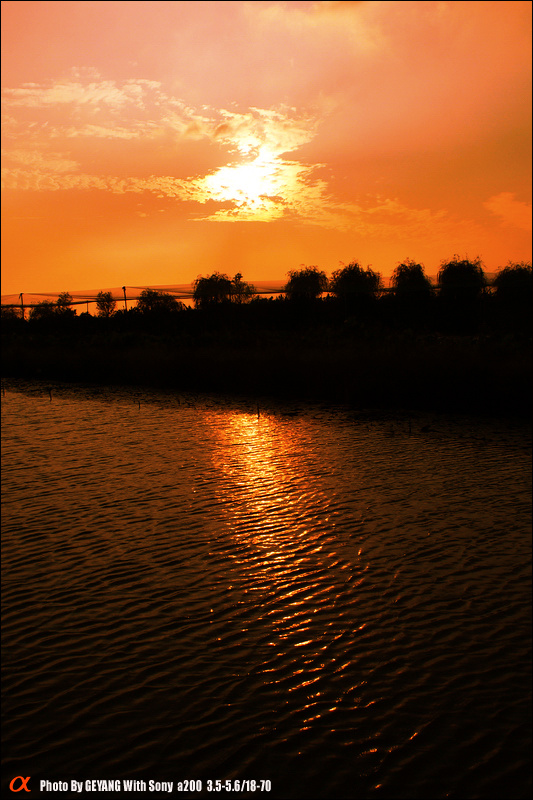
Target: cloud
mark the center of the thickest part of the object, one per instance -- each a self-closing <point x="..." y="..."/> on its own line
<point x="510" y="211"/>
<point x="68" y="92"/>
<point x="257" y="178"/>
<point x="106" y="131"/>
<point x="76" y="93"/>
<point x="134" y="109"/>
<point x="39" y="161"/>
<point x="258" y="183"/>
<point x="277" y="131"/>
<point x="257" y="190"/>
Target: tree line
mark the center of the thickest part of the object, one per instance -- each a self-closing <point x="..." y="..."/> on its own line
<point x="354" y="290"/>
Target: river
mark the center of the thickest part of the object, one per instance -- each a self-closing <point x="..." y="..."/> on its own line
<point x="330" y="603"/>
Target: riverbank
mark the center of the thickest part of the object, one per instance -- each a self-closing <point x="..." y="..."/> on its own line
<point x="402" y="371"/>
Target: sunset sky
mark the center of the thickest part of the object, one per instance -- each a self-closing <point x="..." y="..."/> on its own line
<point x="146" y="143"/>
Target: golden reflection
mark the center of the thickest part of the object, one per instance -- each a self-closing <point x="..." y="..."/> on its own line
<point x="277" y="505"/>
<point x="268" y="489"/>
<point x="279" y="509"/>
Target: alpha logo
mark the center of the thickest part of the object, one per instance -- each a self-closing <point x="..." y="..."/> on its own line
<point x="23" y="784"/>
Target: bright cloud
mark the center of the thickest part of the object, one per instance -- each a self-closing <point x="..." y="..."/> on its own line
<point x="266" y="131"/>
<point x="259" y="188"/>
<point x="259" y="182"/>
<point x="258" y="185"/>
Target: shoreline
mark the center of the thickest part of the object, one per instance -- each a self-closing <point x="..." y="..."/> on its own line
<point x="423" y="374"/>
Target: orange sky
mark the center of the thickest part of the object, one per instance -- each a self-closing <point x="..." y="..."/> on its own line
<point x="150" y="142"/>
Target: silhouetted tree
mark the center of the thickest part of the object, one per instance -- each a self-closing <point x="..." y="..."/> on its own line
<point x="305" y="284"/>
<point x="410" y="282"/>
<point x="212" y="290"/>
<point x="461" y="287"/>
<point x="514" y="283"/>
<point x="461" y="280"/>
<point x="512" y="300"/>
<point x="105" y="304"/>
<point x="241" y="291"/>
<point x="46" y="309"/>
<point x="64" y="305"/>
<point x="152" y="301"/>
<point x="352" y="281"/>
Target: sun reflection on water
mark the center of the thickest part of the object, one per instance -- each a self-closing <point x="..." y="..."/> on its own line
<point x="279" y="515"/>
<point x="271" y="496"/>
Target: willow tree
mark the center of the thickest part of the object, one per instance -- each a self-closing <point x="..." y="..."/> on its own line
<point x="514" y="283"/>
<point x="356" y="289"/>
<point x="462" y="286"/>
<point x="353" y="281"/>
<point x="514" y="293"/>
<point x="410" y="282"/>
<point x="307" y="283"/>
<point x="461" y="280"/>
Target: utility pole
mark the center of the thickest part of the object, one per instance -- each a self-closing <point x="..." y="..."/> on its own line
<point x="22" y="304"/>
<point x="125" y="301"/>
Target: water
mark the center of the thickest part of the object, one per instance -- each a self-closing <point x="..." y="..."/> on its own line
<point x="334" y="602"/>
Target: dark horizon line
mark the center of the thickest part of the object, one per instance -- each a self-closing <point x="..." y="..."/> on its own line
<point x="178" y="291"/>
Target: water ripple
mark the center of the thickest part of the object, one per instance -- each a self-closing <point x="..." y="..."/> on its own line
<point x="338" y="603"/>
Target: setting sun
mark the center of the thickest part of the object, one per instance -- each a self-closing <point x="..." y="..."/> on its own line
<point x="248" y="185"/>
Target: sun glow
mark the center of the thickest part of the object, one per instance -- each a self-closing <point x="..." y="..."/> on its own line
<point x="248" y="184"/>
